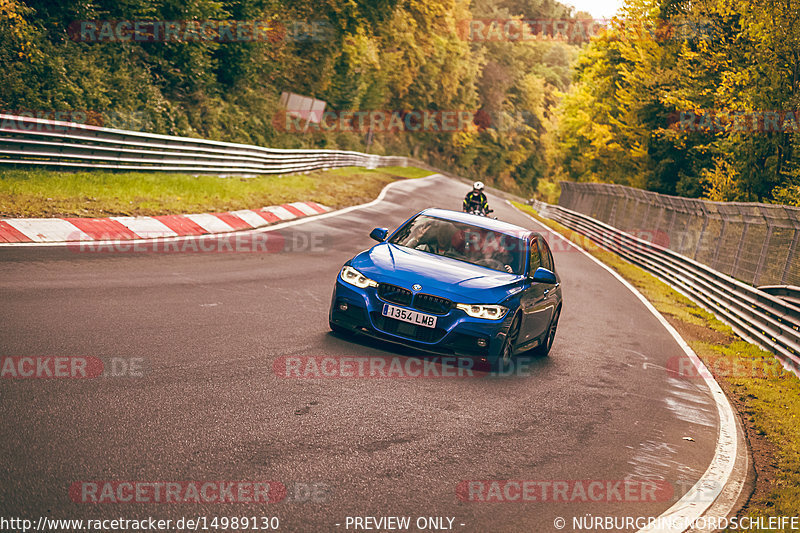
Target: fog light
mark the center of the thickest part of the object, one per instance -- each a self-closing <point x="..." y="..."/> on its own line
<point x="343" y="306"/>
<point x="482" y="343"/>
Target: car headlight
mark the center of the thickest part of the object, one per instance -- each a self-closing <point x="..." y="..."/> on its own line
<point x="354" y="277"/>
<point x="490" y="312"/>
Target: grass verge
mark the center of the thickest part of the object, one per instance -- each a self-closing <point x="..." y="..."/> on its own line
<point x="766" y="396"/>
<point x="43" y="193"/>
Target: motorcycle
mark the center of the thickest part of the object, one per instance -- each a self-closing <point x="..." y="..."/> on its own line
<point x="480" y="211"/>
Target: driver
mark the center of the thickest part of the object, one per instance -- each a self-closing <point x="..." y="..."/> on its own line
<point x="494" y="255"/>
<point x="475" y="198"/>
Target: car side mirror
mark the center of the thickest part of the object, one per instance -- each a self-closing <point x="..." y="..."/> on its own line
<point x="542" y="275"/>
<point x="379" y="234"/>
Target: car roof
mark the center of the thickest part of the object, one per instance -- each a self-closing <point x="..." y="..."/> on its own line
<point x="475" y="220"/>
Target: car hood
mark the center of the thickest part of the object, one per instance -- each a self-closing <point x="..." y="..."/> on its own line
<point x="440" y="276"/>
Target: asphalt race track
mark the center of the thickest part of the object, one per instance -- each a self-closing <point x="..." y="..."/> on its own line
<point x="202" y="332"/>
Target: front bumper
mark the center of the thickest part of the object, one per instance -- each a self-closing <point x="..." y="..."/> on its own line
<point x="456" y="333"/>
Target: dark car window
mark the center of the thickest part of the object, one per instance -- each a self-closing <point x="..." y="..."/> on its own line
<point x="464" y="242"/>
<point x="536" y="258"/>
<point x="547" y="257"/>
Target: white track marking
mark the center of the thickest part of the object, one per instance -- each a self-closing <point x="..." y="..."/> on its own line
<point x="320" y="208"/>
<point x="251" y="217"/>
<point x="280" y="212"/>
<point x="304" y="208"/>
<point x="210" y="223"/>
<point x="145" y="227"/>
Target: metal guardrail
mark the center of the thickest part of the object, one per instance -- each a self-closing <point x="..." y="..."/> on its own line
<point x="756" y="243"/>
<point x="785" y="292"/>
<point x="758" y="316"/>
<point x="28" y="141"/>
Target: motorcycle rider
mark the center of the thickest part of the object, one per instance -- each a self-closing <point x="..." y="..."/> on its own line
<point x="475" y="198"/>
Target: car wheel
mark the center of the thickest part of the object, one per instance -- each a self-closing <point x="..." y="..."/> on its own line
<point x="506" y="355"/>
<point x="550" y="336"/>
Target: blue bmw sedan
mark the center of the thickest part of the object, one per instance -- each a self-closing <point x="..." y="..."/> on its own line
<point x="453" y="283"/>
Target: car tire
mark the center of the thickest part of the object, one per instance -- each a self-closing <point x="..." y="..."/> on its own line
<point x="506" y="356"/>
<point x="544" y="349"/>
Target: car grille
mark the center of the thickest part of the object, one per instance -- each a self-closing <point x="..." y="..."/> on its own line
<point x="404" y="329"/>
<point x="394" y="294"/>
<point x="432" y="304"/>
<point x="423" y="302"/>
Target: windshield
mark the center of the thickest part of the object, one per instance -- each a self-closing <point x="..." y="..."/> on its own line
<point x="465" y="242"/>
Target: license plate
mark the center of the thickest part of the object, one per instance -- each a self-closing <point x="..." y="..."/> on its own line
<point x="412" y="317"/>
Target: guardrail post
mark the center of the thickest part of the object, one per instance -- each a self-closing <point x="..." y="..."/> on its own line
<point x="757" y="229"/>
<point x="715" y="261"/>
<point x="702" y="230"/>
<point x="682" y="217"/>
<point x="674" y="213"/>
<point x="646" y="213"/>
<point x="739" y="248"/>
<point x="763" y="256"/>
<point x="612" y="201"/>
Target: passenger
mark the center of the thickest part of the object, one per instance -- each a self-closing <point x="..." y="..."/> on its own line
<point x="419" y="233"/>
<point x="439" y="239"/>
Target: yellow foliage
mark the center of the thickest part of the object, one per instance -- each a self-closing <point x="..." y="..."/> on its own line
<point x="720" y="182"/>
